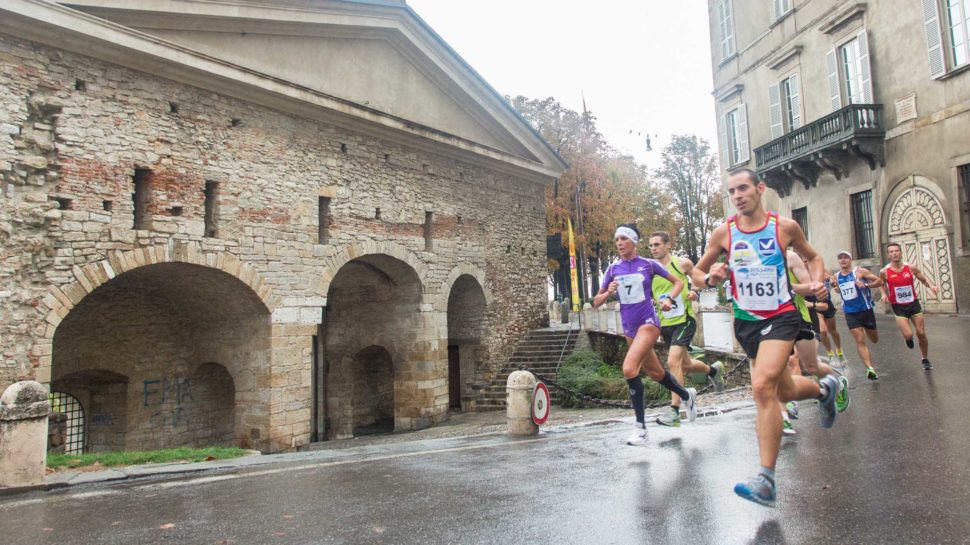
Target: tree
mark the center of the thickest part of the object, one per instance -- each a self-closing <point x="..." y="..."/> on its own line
<point x="690" y="176"/>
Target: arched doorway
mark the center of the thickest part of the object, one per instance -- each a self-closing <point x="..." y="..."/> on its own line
<point x="466" y="326"/>
<point x="153" y="326"/>
<point x="103" y="393"/>
<point x="917" y="221"/>
<point x="374" y="317"/>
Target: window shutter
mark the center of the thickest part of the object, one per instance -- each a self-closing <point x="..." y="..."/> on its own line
<point x="934" y="38"/>
<point x="726" y="25"/>
<point x="796" y="102"/>
<point x="835" y="92"/>
<point x="774" y="111"/>
<point x="722" y="142"/>
<point x="743" y="133"/>
<point x="867" y="96"/>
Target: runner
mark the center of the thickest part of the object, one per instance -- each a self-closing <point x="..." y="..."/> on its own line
<point x="898" y="277"/>
<point x="766" y="322"/>
<point x="631" y="277"/>
<point x="855" y="285"/>
<point x="805" y="356"/>
<point x="827" y="327"/>
<point x="678" y="325"/>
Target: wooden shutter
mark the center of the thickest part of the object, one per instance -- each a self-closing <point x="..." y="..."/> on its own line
<point x="934" y="38"/>
<point x="774" y="111"/>
<point x="722" y="142"/>
<point x="866" y="76"/>
<point x="743" y="134"/>
<point x="796" y="102"/>
<point x="835" y="91"/>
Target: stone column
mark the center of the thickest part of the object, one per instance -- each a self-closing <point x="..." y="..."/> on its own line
<point x="24" y="407"/>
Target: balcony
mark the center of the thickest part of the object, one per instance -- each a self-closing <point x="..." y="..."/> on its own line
<point x="855" y="132"/>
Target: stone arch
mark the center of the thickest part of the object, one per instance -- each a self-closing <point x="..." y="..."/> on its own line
<point x="914" y="217"/>
<point x="441" y="302"/>
<point x="153" y="322"/>
<point x="357" y="250"/>
<point x="373" y="391"/>
<point x="466" y="317"/>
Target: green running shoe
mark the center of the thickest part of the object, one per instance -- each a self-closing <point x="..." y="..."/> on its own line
<point x="786" y="428"/>
<point x="670" y="418"/>
<point x="871" y="374"/>
<point x="718" y="378"/>
<point x="792" y="408"/>
<point x="842" y="400"/>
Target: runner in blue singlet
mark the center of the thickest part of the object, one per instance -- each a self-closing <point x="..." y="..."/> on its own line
<point x="854" y="285"/>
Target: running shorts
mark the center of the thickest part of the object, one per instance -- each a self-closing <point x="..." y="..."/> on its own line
<point x="866" y="319"/>
<point x="750" y="333"/>
<point x="908" y="310"/>
<point x="680" y="334"/>
<point x="830" y="313"/>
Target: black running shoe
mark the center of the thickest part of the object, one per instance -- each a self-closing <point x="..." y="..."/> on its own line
<point x="910" y="344"/>
<point x="926" y="364"/>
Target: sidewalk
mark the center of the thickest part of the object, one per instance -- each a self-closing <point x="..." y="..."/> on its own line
<point x="486" y="426"/>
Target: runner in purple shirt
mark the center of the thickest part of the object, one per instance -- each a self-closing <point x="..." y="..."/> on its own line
<point x="631" y="279"/>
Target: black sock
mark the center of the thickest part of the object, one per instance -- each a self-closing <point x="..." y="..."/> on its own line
<point x="636" y="397"/>
<point x="909" y="343"/>
<point x="670" y="383"/>
<point x="712" y="372"/>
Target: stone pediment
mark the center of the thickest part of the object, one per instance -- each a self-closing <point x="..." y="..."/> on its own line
<point x="375" y="60"/>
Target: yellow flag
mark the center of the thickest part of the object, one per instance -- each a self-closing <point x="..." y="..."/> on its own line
<point x="572" y="266"/>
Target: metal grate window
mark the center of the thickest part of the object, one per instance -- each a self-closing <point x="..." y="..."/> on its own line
<point x="800" y="215"/>
<point x="69" y="405"/>
<point x="963" y="173"/>
<point x="863" y="225"/>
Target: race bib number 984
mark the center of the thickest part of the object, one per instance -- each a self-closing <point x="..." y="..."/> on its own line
<point x="904" y="295"/>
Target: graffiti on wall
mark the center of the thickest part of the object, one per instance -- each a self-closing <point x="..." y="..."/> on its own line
<point x="169" y="396"/>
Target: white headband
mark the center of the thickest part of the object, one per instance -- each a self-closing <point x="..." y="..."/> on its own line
<point x="628" y="233"/>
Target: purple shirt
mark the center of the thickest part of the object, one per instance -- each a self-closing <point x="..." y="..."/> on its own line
<point x="635" y="291"/>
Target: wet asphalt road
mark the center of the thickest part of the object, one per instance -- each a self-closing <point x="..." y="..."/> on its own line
<point x="893" y="470"/>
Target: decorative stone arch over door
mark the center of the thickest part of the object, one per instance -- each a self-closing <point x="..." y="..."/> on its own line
<point x="917" y="221"/>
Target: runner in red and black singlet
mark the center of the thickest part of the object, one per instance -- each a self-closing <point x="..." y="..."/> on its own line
<point x="766" y="321"/>
<point x="899" y="277"/>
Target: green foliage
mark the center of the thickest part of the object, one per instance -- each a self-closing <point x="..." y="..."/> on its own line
<point x="585" y="372"/>
<point x="121" y="458"/>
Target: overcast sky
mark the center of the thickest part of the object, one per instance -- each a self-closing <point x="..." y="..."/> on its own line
<point x="643" y="65"/>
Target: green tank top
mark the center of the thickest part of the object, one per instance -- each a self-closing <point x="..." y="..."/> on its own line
<point x="800" y="303"/>
<point x="682" y="307"/>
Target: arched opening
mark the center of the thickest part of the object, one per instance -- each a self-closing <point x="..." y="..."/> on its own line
<point x="373" y="392"/>
<point x="68" y="431"/>
<point x="374" y="301"/>
<point x="136" y="342"/>
<point x="466" y="326"/>
<point x="103" y="393"/>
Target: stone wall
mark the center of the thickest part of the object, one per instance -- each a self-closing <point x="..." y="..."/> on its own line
<point x="74" y="131"/>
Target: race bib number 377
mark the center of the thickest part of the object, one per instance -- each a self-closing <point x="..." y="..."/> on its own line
<point x="757" y="288"/>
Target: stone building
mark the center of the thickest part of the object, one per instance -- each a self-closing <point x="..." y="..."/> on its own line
<point x="259" y="223"/>
<point x="856" y="114"/>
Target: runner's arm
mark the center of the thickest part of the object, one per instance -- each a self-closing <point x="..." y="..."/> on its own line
<point x="687" y="267"/>
<point x="607" y="290"/>
<point x="716" y="245"/>
<point x="803" y="286"/>
<point x="922" y="278"/>
<point x="873" y="281"/>
<point x="798" y="242"/>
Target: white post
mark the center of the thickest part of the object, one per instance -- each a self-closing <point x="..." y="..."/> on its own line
<point x="24" y="408"/>
<point x="518" y="403"/>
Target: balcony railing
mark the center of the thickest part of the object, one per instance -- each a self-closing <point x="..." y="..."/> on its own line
<point x="855" y="130"/>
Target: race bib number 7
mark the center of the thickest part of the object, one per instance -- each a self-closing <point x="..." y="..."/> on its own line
<point x="631" y="289"/>
<point x="757" y="288"/>
<point x="904" y="295"/>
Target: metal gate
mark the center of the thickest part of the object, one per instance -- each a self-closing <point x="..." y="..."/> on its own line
<point x="69" y="405"/>
<point x="917" y="223"/>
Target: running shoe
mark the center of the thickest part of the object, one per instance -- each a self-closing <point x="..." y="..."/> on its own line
<point x="692" y="404"/>
<point x="826" y="405"/>
<point x="759" y="489"/>
<point x="670" y="418"/>
<point x="910" y="344"/>
<point x="926" y="364"/>
<point x="786" y="427"/>
<point x="718" y="378"/>
<point x="871" y="374"/>
<point x="638" y="437"/>
<point x="792" y="408"/>
<point x="842" y="400"/>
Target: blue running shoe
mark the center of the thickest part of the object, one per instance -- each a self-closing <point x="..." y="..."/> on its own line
<point x="826" y="405"/>
<point x="759" y="489"/>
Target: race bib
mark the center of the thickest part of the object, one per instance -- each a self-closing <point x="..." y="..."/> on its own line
<point x="757" y="288"/>
<point x="848" y="290"/>
<point x="631" y="289"/>
<point x="904" y="295"/>
<point x="675" y="311"/>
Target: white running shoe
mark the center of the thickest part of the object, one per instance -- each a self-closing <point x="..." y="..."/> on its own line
<point x="638" y="437"/>
<point x="692" y="404"/>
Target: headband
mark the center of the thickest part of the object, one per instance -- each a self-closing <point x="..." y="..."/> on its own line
<point x="628" y="233"/>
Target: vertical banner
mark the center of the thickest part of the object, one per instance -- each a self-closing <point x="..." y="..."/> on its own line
<point x="572" y="267"/>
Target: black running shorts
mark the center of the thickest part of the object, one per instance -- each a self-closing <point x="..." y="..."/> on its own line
<point x="908" y="310"/>
<point x="680" y="334"/>
<point x="830" y="313"/>
<point x="783" y="327"/>
<point x="866" y="319"/>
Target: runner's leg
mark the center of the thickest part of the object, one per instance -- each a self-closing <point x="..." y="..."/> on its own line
<point x="903" y="324"/>
<point x="924" y="343"/>
<point x="675" y="362"/>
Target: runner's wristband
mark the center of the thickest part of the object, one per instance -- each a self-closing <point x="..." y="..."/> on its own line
<point x="707" y="280"/>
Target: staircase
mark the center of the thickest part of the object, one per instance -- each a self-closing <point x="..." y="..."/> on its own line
<point x="540" y="351"/>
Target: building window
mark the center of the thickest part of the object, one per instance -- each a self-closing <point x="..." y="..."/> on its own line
<point x="963" y="173"/>
<point x="784" y="106"/>
<point x="850" y="75"/>
<point x="734" y="137"/>
<point x="800" y="215"/>
<point x="957" y="25"/>
<point x="323" y="220"/>
<point x="428" y="223"/>
<point x="725" y="25"/>
<point x="211" y="208"/>
<point x="862" y="224"/>
<point x="782" y="7"/>
<point x="142" y="198"/>
<point x="69" y="405"/>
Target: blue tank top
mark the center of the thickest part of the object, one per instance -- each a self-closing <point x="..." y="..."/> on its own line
<point x="759" y="271"/>
<point x="854" y="298"/>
